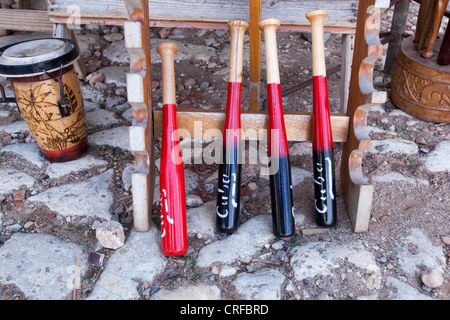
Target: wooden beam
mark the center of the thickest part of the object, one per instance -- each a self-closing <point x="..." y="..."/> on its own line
<point x="255" y="54"/>
<point x="290" y="12"/>
<point x="25" y="20"/>
<point x="209" y="124"/>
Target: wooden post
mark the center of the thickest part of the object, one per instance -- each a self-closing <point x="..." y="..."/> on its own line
<point x="348" y="41"/>
<point x="60" y="30"/>
<point x="357" y="192"/>
<point x="255" y="54"/>
<point x="398" y="27"/>
<point x="426" y="24"/>
<point x="438" y="13"/>
<point x="137" y="42"/>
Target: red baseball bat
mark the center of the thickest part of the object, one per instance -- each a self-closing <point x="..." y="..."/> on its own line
<point x="323" y="154"/>
<point x="172" y="188"/>
<point x="280" y="179"/>
<point x="228" y="195"/>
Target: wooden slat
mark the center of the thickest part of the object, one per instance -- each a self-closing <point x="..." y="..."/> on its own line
<point x="358" y="193"/>
<point x="210" y="122"/>
<point x="342" y="13"/>
<point x="25" y="20"/>
<point x="137" y="43"/>
<point x="255" y="54"/>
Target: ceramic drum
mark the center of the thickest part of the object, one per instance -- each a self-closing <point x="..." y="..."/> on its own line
<point x="48" y="94"/>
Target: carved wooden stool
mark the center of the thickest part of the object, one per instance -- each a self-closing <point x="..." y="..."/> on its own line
<point x="421" y="87"/>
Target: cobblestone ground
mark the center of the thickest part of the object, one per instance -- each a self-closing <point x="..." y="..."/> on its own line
<point x="52" y="215"/>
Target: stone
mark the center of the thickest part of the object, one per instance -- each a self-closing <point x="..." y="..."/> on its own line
<point x="264" y="284"/>
<point x="91" y="94"/>
<point x="204" y="85"/>
<point x="164" y="32"/>
<point x="110" y="235"/>
<point x="93" y="78"/>
<point x="246" y="242"/>
<point x="298" y="175"/>
<point x="116" y="137"/>
<point x="88" y="42"/>
<point x="116" y="52"/>
<point x="393" y="146"/>
<point x="193" y="200"/>
<point x="114" y="101"/>
<point x="28" y="151"/>
<point x="101" y="117"/>
<point x="307" y="36"/>
<point x="126" y="177"/>
<point x="113" y="37"/>
<point x="42" y="266"/>
<point x="115" y="75"/>
<point x="395" y="177"/>
<point x="438" y="160"/>
<point x="139" y="259"/>
<point x="11" y="180"/>
<point x="300" y="149"/>
<point x="201" y="220"/>
<point x="86" y="198"/>
<point x="15" y="127"/>
<point x="193" y="292"/>
<point x="190" y="82"/>
<point x="319" y="258"/>
<point x="427" y="254"/>
<point x="190" y="180"/>
<point x="432" y="278"/>
<point x="404" y="291"/>
<point x="60" y="169"/>
<point x="186" y="51"/>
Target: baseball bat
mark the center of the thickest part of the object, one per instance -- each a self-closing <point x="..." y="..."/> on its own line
<point x="229" y="186"/>
<point x="280" y="179"/>
<point x="172" y="188"/>
<point x="323" y="153"/>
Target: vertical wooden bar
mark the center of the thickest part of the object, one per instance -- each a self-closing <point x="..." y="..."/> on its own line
<point x="255" y="54"/>
<point x="398" y="27"/>
<point x="346" y="69"/>
<point x="357" y="192"/>
<point x="421" y="19"/>
<point x="60" y="30"/>
<point x="438" y="13"/>
<point x="137" y="42"/>
<point x="427" y="22"/>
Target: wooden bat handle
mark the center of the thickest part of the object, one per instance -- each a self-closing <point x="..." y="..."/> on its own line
<point x="237" y="29"/>
<point x="270" y="26"/>
<point x="167" y="52"/>
<point x="317" y="18"/>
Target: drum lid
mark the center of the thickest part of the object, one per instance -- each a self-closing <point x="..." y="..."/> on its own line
<point x="35" y="57"/>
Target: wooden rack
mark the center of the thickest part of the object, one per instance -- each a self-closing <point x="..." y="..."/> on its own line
<point x="349" y="18"/>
